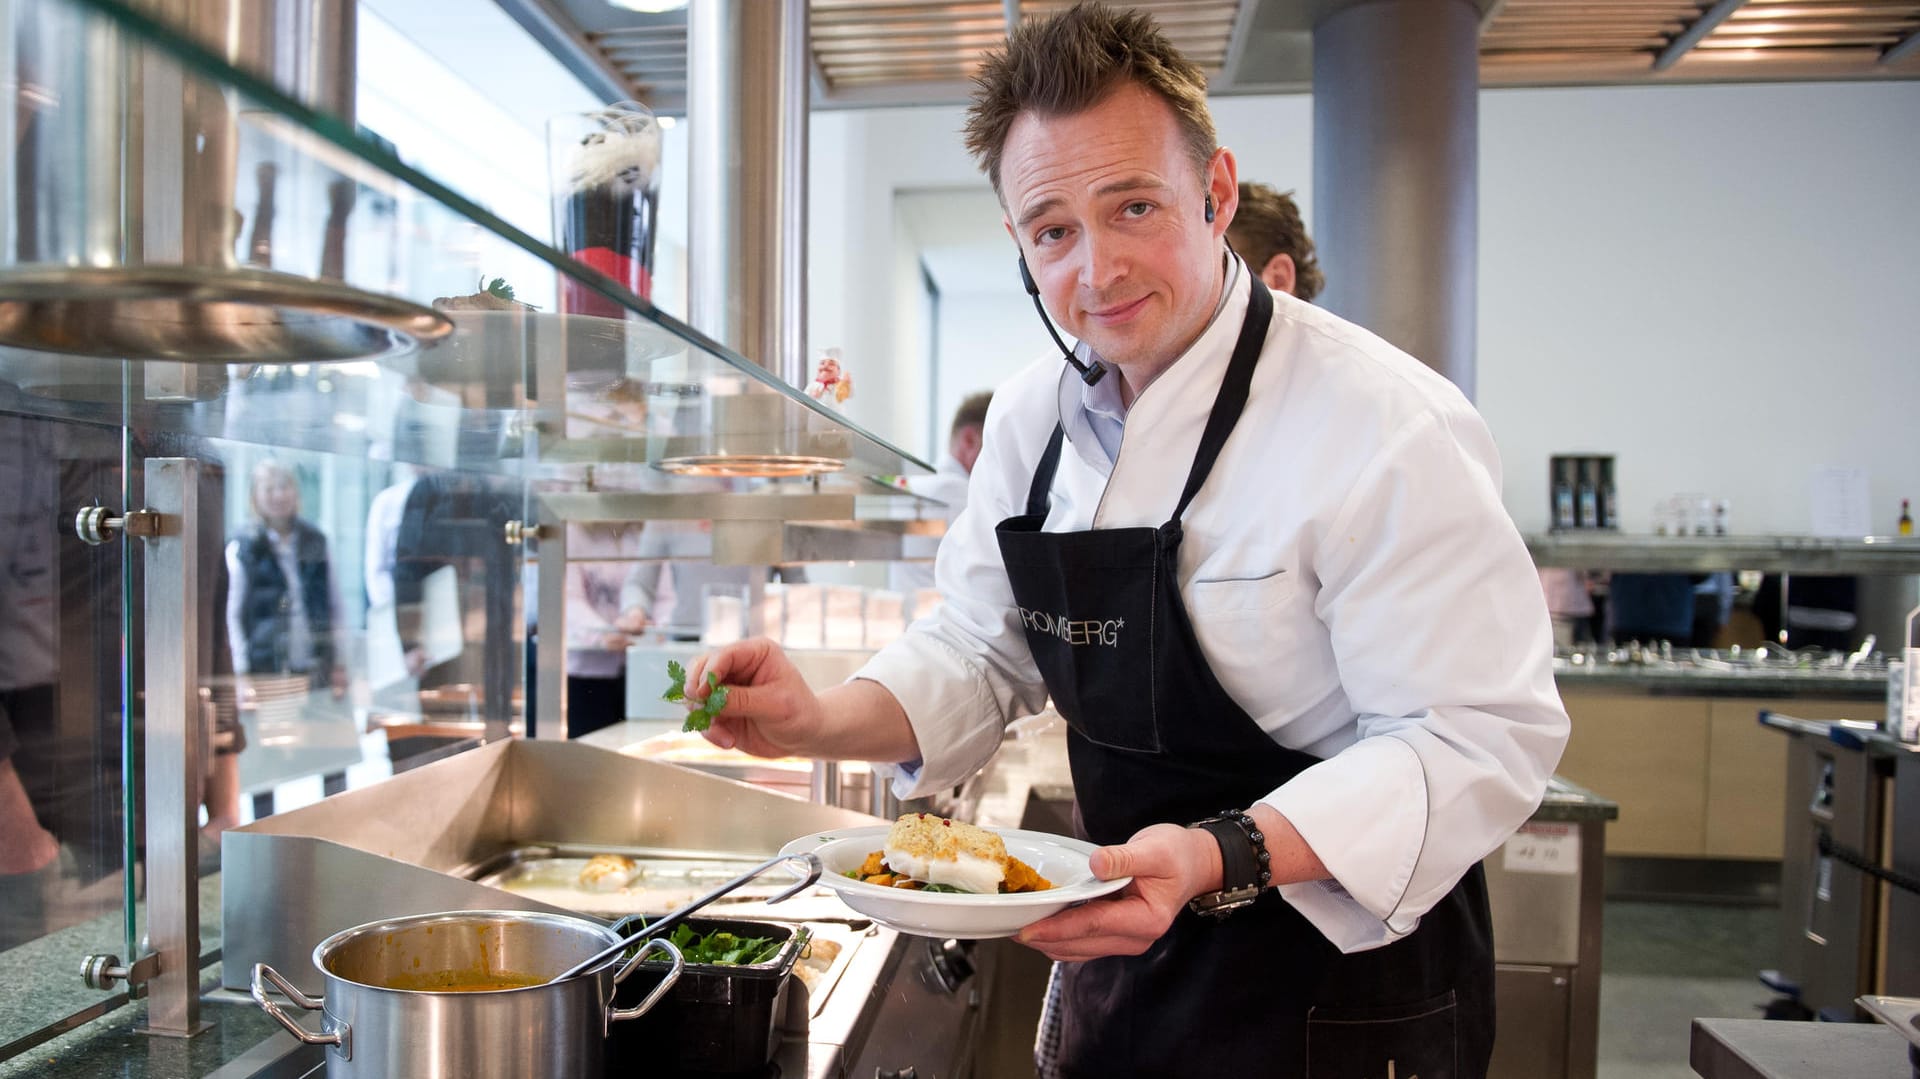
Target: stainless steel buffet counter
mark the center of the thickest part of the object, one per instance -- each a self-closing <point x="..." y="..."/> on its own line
<point x="437" y="839"/>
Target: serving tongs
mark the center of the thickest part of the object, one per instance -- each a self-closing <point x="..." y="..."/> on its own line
<point x="806" y="860"/>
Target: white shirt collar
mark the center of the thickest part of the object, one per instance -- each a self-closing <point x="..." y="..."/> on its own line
<point x="1099" y="407"/>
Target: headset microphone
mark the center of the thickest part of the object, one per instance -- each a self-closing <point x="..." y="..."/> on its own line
<point x="1209" y="209"/>
<point x="1089" y="374"/>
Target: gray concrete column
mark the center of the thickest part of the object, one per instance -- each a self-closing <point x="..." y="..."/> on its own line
<point x="1396" y="120"/>
<point x="747" y="95"/>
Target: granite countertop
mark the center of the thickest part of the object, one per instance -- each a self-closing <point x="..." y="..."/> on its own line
<point x="1773" y="1049"/>
<point x="43" y="976"/>
<point x="43" y="985"/>
<point x="241" y="1041"/>
<point x="1566" y="801"/>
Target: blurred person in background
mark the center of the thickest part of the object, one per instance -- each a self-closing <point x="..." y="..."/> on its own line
<point x="1570" y="604"/>
<point x="1650" y="607"/>
<point x="1713" y="598"/>
<point x="452" y="523"/>
<point x="61" y="644"/>
<point x="282" y="612"/>
<point x="948" y="485"/>
<point x="596" y="645"/>
<point x="31" y="779"/>
<point x="665" y="591"/>
<point x="1269" y="235"/>
<point x="383" y="532"/>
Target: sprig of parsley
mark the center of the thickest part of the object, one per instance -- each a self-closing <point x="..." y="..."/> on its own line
<point x="700" y="717"/>
<point x="496" y="287"/>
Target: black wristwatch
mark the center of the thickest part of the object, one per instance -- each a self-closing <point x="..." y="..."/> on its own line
<point x="1243" y="864"/>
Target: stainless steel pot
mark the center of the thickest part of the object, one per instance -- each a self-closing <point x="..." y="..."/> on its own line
<point x="417" y="996"/>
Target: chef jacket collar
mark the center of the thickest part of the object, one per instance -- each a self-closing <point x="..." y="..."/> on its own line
<point x="1094" y="417"/>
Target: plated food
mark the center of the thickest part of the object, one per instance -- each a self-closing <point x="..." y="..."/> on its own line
<point x="1059" y="860"/>
<point x="939" y="854"/>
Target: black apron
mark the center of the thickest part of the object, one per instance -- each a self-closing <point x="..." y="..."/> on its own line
<point x="1153" y="738"/>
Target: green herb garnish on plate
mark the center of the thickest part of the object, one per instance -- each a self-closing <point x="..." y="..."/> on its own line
<point x="700" y="717"/>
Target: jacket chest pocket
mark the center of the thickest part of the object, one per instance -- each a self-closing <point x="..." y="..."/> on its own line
<point x="1409" y="1041"/>
<point x="1237" y="598"/>
<point x="1263" y="640"/>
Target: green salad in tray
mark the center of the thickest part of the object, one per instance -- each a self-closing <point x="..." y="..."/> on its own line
<point x="721" y="948"/>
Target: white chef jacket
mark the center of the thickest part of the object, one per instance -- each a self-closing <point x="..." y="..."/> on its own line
<point x="1353" y="579"/>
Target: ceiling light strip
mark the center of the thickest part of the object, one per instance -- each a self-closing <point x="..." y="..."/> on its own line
<point x="1824" y="41"/>
<point x="1826" y="11"/>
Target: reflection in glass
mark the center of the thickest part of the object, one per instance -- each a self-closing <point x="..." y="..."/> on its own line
<point x="62" y="855"/>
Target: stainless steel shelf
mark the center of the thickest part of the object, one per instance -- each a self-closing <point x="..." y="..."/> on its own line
<point x="1698" y="554"/>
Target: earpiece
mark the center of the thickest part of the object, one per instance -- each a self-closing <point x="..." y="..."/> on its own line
<point x="1026" y="278"/>
<point x="1209" y="209"/>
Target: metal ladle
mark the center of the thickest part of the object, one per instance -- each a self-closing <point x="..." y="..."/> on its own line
<point x="813" y="870"/>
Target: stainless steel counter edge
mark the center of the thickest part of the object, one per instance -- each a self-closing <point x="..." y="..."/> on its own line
<point x="1654" y="681"/>
<point x="1777" y="1049"/>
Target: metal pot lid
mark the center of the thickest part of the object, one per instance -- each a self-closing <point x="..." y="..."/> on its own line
<point x="195" y="315"/>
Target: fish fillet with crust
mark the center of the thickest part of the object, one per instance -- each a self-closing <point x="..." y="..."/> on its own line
<point x="950" y="852"/>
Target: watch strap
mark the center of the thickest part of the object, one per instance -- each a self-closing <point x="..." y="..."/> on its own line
<point x="1243" y="863"/>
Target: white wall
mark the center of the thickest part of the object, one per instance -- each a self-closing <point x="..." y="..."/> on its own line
<point x="1712" y="283"/>
<point x="983" y="342"/>
<point x="862" y="286"/>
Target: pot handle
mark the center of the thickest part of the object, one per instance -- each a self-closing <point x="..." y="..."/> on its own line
<point x="642" y="1008"/>
<point x="341" y="1037"/>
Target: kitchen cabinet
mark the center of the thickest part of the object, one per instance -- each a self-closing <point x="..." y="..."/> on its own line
<point x="1650" y="755"/>
<point x="1696" y="777"/>
<point x="207" y="282"/>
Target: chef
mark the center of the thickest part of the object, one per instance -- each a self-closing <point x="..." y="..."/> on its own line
<point x="1257" y="558"/>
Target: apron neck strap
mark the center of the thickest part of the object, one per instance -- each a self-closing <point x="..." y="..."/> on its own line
<point x="1227" y="406"/>
<point x="1039" y="496"/>
<point x="1232" y="398"/>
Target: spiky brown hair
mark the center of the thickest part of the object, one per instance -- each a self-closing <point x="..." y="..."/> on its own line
<point x="1068" y="63"/>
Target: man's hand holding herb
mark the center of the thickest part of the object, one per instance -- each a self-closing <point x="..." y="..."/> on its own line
<point x="767" y="711"/>
<point x="771" y="712"/>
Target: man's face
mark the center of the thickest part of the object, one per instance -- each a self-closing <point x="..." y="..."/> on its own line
<point x="965" y="446"/>
<point x="1108" y="208"/>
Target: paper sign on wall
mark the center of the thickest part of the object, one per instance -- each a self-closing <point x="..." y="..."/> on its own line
<point x="1543" y="847"/>
<point x="1841" y="504"/>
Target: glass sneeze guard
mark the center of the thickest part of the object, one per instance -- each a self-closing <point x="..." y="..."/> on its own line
<point x="364" y="483"/>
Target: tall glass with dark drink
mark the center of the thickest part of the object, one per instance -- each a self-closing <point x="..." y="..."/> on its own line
<point x="606" y="189"/>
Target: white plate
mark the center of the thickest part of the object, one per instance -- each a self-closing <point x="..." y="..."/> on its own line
<point x="945" y="914"/>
